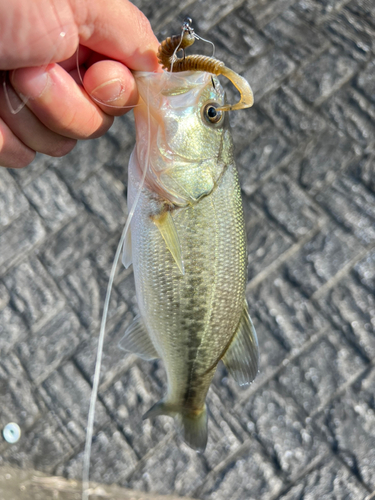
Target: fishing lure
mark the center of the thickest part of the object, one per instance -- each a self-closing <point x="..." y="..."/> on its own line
<point x="186" y="239"/>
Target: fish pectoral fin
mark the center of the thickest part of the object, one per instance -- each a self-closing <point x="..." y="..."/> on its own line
<point x="127" y="257"/>
<point x="137" y="340"/>
<point x="241" y="358"/>
<point x="191" y="425"/>
<point x="165" y="224"/>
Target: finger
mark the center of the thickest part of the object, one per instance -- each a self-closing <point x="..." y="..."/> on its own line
<point x="130" y="38"/>
<point x="13" y="153"/>
<point x="110" y="82"/>
<point x="59" y="103"/>
<point x="26" y="126"/>
<point x="37" y="33"/>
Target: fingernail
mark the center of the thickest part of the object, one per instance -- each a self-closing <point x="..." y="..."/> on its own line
<point x="32" y="84"/>
<point x="108" y="91"/>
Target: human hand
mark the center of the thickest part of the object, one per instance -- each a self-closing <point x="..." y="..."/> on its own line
<point x="38" y="41"/>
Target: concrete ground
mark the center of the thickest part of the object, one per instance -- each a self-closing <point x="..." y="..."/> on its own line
<point x="305" y="153"/>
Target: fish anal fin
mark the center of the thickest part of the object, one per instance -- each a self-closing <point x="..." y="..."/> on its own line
<point x="242" y="356"/>
<point x="127" y="257"/>
<point x="137" y="340"/>
<point x="191" y="425"/>
<point x="167" y="228"/>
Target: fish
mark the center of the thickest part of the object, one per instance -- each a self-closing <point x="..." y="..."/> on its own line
<point x="187" y="244"/>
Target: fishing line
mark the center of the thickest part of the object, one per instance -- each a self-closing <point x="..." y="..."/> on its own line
<point x="23" y="98"/>
<point x="99" y="356"/>
<point x="186" y="26"/>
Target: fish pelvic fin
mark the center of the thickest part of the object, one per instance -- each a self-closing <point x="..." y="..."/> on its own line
<point x="191" y="425"/>
<point x="137" y="340"/>
<point x="242" y="356"/>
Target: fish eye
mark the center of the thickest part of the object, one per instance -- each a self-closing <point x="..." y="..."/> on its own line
<point x="211" y="114"/>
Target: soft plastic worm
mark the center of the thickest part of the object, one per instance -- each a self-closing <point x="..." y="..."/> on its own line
<point x="170" y="62"/>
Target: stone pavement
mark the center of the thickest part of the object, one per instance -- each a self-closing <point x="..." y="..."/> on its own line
<point x="305" y="152"/>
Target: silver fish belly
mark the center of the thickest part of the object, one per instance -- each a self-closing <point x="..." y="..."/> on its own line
<point x="188" y="249"/>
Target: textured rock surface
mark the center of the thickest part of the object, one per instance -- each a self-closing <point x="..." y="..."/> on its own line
<point x="306" y="156"/>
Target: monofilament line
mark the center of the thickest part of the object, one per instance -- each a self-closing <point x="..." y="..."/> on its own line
<point x="99" y="356"/>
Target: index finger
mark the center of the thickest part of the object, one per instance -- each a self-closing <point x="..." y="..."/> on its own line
<point x="38" y="32"/>
<point x="119" y="30"/>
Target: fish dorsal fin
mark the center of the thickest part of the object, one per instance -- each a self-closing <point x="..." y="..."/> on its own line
<point x="165" y="224"/>
<point x="127" y="257"/>
<point x="241" y="358"/>
<point x="137" y="340"/>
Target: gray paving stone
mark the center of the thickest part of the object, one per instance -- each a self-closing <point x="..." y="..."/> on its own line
<point x="42" y="352"/>
<point x="289" y="113"/>
<point x="33" y="291"/>
<point x="317" y="11"/>
<point x="104" y="255"/>
<point x="51" y="199"/>
<point x="129" y="398"/>
<point x="42" y="447"/>
<point x="182" y="472"/>
<point x="207" y="15"/>
<point x="104" y="197"/>
<point x="265" y="242"/>
<point x="352" y="32"/>
<point x="246" y="124"/>
<point x="294" y="36"/>
<point x="363" y="169"/>
<point x="323" y="160"/>
<point x="122" y="138"/>
<point x="18" y="400"/>
<point x="281" y="427"/>
<point x="264" y="11"/>
<point x="115" y="361"/>
<point x="111" y="459"/>
<point x="225" y="434"/>
<point x="12" y="202"/>
<point x="250" y="476"/>
<point x="321" y="258"/>
<point x="24" y="176"/>
<point x="286" y="312"/>
<point x="71" y="244"/>
<point x="363" y="9"/>
<point x="87" y="158"/>
<point x="331" y="479"/>
<point x="20" y="237"/>
<point x="268" y="72"/>
<point x="351" y="308"/>
<point x="352" y="206"/>
<point x="365" y="81"/>
<point x="316" y="81"/>
<point x="314" y="377"/>
<point x="85" y="289"/>
<point x="352" y="114"/>
<point x="258" y="160"/>
<point x="355" y="444"/>
<point x="288" y="205"/>
<point x="236" y="41"/>
<point x="67" y="395"/>
<point x="365" y="271"/>
<point x="12" y="326"/>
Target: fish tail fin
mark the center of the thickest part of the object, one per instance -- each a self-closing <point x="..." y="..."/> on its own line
<point x="193" y="428"/>
<point x="191" y="425"/>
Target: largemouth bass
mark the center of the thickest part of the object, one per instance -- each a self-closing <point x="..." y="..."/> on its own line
<point x="187" y="245"/>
